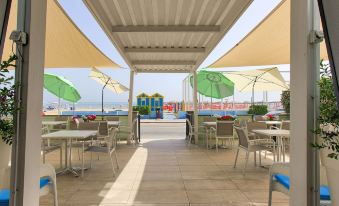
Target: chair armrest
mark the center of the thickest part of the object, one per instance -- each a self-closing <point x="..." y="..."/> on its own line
<point x="274" y="127"/>
<point x="262" y="141"/>
<point x="281" y="168"/>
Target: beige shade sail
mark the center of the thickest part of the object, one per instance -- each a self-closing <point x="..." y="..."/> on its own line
<point x="268" y="79"/>
<point x="66" y="46"/>
<point x="267" y="44"/>
<point x="107" y="81"/>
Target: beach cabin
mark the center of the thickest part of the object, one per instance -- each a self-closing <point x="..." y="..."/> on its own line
<point x="156" y="106"/>
<point x="143" y="99"/>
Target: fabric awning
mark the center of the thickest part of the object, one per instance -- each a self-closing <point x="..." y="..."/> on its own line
<point x="107" y="81"/>
<point x="66" y="46"/>
<point x="268" y="79"/>
<point x="267" y="44"/>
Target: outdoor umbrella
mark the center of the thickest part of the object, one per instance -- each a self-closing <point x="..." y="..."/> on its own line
<point x="62" y="88"/>
<point x="214" y="85"/>
<point x="268" y="79"/>
<point x="108" y="82"/>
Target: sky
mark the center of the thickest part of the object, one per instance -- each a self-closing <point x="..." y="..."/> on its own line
<point x="170" y="85"/>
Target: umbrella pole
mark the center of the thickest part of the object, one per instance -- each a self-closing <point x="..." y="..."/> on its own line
<point x="59" y="105"/>
<point x="102" y="99"/>
<point x="73" y="109"/>
<point x="211" y="100"/>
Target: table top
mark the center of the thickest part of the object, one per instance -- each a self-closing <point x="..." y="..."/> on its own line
<point x="113" y="123"/>
<point x="66" y="134"/>
<point x="272" y="132"/>
<point x="209" y="124"/>
<point x="53" y="122"/>
<point x="271" y="122"/>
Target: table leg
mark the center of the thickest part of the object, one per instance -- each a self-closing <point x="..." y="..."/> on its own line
<point x="83" y="159"/>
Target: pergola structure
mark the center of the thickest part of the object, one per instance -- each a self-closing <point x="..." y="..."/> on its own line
<point x="137" y="28"/>
<point x="166" y="36"/>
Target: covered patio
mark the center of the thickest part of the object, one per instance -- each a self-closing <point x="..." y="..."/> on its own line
<point x="163" y="37"/>
<point x="162" y="170"/>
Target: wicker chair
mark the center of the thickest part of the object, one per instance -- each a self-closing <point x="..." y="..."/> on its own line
<point x="249" y="146"/>
<point x="223" y="131"/>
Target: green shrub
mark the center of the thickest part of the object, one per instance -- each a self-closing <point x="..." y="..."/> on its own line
<point x="258" y="109"/>
<point x="285" y="100"/>
<point x="143" y="110"/>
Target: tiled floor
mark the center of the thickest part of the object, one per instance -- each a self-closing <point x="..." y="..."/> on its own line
<point x="162" y="171"/>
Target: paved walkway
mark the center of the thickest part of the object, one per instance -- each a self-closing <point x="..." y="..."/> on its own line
<point x="162" y="171"/>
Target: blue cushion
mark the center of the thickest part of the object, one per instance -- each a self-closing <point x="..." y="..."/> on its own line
<point x="325" y="192"/>
<point x="4" y="196"/>
<point x="43" y="182"/>
<point x="4" y="193"/>
<point x="285" y="181"/>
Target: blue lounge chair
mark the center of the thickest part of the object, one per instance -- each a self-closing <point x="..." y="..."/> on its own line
<point x="280" y="181"/>
<point x="47" y="184"/>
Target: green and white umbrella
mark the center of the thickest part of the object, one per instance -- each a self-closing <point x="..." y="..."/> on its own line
<point x="61" y="87"/>
<point x="213" y="84"/>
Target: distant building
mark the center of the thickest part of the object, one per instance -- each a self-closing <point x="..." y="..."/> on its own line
<point x="155" y="103"/>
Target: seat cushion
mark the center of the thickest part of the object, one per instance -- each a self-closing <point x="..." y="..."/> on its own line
<point x="285" y="181"/>
<point x="4" y="193"/>
<point x="4" y="197"/>
<point x="325" y="192"/>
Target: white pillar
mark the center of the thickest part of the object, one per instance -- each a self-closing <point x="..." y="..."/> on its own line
<point x="130" y="104"/>
<point x="195" y="105"/>
<point x="304" y="74"/>
<point x="25" y="173"/>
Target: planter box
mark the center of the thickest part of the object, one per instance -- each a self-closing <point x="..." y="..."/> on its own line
<point x="5" y="155"/>
<point x="332" y="173"/>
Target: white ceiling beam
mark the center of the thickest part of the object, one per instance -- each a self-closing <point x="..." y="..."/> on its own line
<point x="177" y="28"/>
<point x="164" y="70"/>
<point x="165" y="50"/>
<point x="162" y="62"/>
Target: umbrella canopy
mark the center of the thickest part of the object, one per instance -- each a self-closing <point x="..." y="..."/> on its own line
<point x="267" y="44"/>
<point x="107" y="81"/>
<point x="61" y="88"/>
<point x="65" y="45"/>
<point x="214" y="84"/>
<point x="268" y="79"/>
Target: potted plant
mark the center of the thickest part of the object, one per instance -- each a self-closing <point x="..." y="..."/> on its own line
<point x="329" y="132"/>
<point x="270" y="117"/>
<point x="7" y="110"/>
<point x="226" y="118"/>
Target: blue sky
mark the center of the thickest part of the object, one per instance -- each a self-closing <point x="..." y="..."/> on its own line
<point x="167" y="84"/>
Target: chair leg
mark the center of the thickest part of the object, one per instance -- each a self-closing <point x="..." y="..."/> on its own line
<point x="55" y="194"/>
<point x="255" y="158"/>
<point x="259" y="157"/>
<point x="216" y="144"/>
<point x="60" y="156"/>
<point x="270" y="193"/>
<point x="116" y="159"/>
<point x="110" y="156"/>
<point x="236" y="158"/>
<point x="247" y="157"/>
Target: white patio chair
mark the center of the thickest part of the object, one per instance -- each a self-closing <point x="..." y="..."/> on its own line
<point x="47" y="147"/>
<point x="223" y="131"/>
<point x="190" y="134"/>
<point x="279" y="181"/>
<point x="48" y="184"/>
<point x="251" y="146"/>
<point x="126" y="130"/>
<point x="109" y="148"/>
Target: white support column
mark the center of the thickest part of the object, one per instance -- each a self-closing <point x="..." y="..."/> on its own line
<point x="25" y="173"/>
<point x="130" y="104"/>
<point x="195" y="105"/>
<point x="304" y="95"/>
